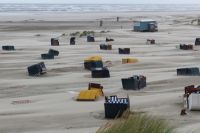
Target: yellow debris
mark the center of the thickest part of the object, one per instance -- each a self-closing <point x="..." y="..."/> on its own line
<point x="129" y="60"/>
<point x="93" y="58"/>
<point x="100" y="91"/>
<point x="90" y="95"/>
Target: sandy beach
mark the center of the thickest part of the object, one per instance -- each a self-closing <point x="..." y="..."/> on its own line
<point x="51" y="106"/>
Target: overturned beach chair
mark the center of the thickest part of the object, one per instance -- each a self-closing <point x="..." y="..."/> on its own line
<point x="50" y="54"/>
<point x="135" y="82"/>
<point x="193" y="71"/>
<point x="129" y="60"/>
<point x="105" y="47"/>
<point x="114" y="107"/>
<point x="124" y="50"/>
<point x="37" y="69"/>
<point x="90" y="39"/>
<point x="192" y="97"/>
<point x="54" y="42"/>
<point x="197" y="41"/>
<point x="94" y="91"/>
<point x="93" y="62"/>
<point x="186" y="46"/>
<point x="8" y="48"/>
<point x="100" y="72"/>
<point x="109" y="39"/>
<point x="47" y="56"/>
<point x="150" y="41"/>
<point x="53" y="52"/>
<point x="72" y="41"/>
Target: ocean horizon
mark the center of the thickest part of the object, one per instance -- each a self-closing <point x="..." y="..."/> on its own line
<point x="46" y="8"/>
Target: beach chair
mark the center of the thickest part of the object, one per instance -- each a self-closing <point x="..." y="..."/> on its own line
<point x="129" y="60"/>
<point x="193" y="71"/>
<point x="72" y="41"/>
<point x="47" y="56"/>
<point x="192" y="97"/>
<point x="124" y="50"/>
<point x="93" y="62"/>
<point x="105" y="47"/>
<point x="94" y="91"/>
<point x="135" y="82"/>
<point x="100" y="73"/>
<point x="150" y="41"/>
<point x="53" y="52"/>
<point x="186" y="46"/>
<point x="54" y="42"/>
<point x="37" y="69"/>
<point x="8" y="48"/>
<point x="109" y="39"/>
<point x="90" y="39"/>
<point x="102" y="47"/>
<point x="114" y="107"/>
<point x="197" y="41"/>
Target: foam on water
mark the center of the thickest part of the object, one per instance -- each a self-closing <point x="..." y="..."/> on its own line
<point x="23" y="8"/>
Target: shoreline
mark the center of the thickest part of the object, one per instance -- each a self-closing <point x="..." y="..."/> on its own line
<point x="93" y="16"/>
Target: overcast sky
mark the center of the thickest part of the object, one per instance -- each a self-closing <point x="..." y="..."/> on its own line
<point x="106" y="1"/>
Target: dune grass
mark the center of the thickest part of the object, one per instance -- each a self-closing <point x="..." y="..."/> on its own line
<point x="81" y="34"/>
<point x="137" y="123"/>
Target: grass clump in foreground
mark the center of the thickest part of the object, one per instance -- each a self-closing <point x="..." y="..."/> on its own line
<point x="137" y="123"/>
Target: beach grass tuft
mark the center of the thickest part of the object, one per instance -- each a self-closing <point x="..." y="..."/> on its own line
<point x="137" y="123"/>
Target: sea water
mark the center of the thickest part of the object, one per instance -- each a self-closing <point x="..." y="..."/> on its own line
<point x="40" y="8"/>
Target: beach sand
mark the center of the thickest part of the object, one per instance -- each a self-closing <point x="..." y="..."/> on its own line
<point x="51" y="106"/>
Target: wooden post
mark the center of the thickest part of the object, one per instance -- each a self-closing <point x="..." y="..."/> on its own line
<point x="198" y="21"/>
<point x="101" y="23"/>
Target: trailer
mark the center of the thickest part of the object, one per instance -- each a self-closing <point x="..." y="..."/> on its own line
<point x="145" y="26"/>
